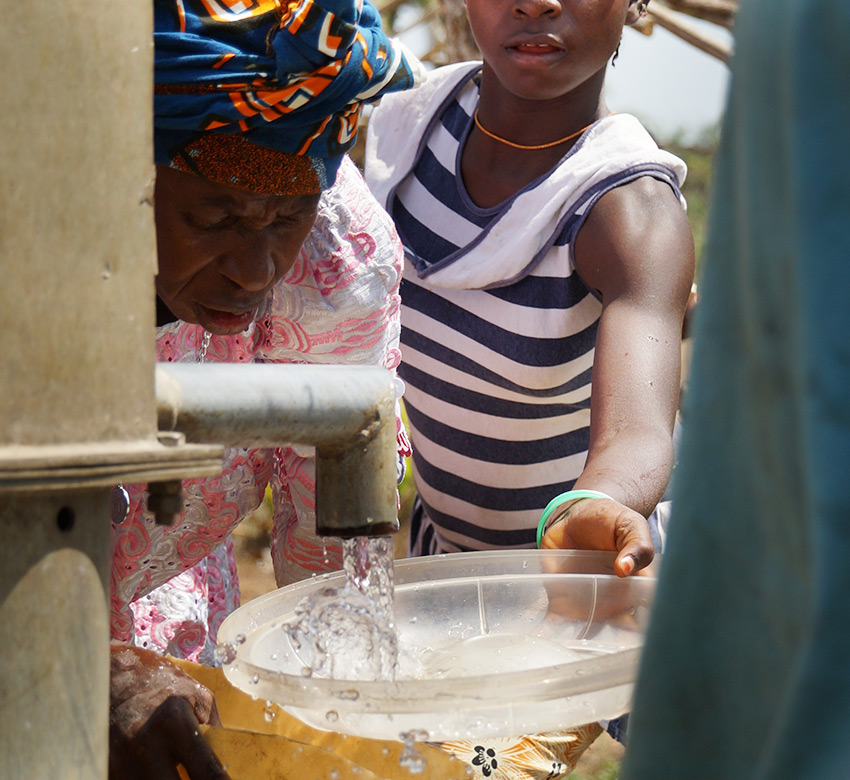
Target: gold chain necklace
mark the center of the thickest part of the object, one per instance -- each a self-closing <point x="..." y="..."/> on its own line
<point x="531" y="148"/>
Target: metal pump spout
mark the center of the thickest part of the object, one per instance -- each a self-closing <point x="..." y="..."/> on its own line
<point x="346" y="412"/>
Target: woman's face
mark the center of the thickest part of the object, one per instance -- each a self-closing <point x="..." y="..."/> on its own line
<point x="544" y="49"/>
<point x="222" y="249"/>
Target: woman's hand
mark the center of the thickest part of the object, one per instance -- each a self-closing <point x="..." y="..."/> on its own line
<point x="603" y="524"/>
<point x="155" y="709"/>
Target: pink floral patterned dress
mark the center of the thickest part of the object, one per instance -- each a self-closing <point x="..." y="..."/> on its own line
<point x="173" y="585"/>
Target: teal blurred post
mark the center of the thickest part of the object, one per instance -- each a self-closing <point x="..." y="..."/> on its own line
<point x="746" y="671"/>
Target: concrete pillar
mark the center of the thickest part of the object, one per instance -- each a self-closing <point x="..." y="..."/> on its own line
<point x="77" y="410"/>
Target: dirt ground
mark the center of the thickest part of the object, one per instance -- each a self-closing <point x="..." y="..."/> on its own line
<point x="256" y="577"/>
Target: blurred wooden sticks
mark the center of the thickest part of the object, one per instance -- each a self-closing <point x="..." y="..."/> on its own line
<point x="452" y="41"/>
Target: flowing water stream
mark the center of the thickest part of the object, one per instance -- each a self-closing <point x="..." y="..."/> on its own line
<point x="348" y="632"/>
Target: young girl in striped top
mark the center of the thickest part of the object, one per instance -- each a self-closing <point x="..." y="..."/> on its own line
<point x="548" y="265"/>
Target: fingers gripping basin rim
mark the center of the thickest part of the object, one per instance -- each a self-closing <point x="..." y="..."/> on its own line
<point x="570" y="495"/>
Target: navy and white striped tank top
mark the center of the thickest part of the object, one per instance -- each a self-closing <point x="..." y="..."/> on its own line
<point x="497" y="370"/>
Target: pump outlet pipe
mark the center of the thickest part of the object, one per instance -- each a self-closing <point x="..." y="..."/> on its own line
<point x="346" y="412"/>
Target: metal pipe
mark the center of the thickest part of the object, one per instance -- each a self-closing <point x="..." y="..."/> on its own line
<point x="346" y="412"/>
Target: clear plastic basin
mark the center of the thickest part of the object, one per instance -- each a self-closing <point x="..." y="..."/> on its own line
<point x="490" y="644"/>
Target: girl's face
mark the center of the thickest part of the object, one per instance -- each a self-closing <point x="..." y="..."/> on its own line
<point x="543" y="49"/>
<point x="221" y="249"/>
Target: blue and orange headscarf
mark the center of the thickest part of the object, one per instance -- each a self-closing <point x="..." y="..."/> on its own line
<point x="266" y="94"/>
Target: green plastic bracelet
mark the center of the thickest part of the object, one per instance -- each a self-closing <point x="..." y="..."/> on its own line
<point x="562" y="499"/>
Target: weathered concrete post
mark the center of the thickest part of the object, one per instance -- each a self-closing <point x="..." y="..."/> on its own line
<point x="77" y="410"/>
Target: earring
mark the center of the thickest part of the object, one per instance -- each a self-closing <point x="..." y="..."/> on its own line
<point x="642" y="10"/>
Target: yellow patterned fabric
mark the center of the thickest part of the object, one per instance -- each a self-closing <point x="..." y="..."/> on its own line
<point x="539" y="757"/>
<point x="259" y="741"/>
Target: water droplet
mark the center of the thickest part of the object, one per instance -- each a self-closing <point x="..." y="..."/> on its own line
<point x="240" y="639"/>
<point x="414" y="735"/>
<point x="225" y="654"/>
<point x="255" y="679"/>
<point x="348" y="695"/>
<point x="269" y="713"/>
<point x="332" y="716"/>
<point x="411" y="759"/>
